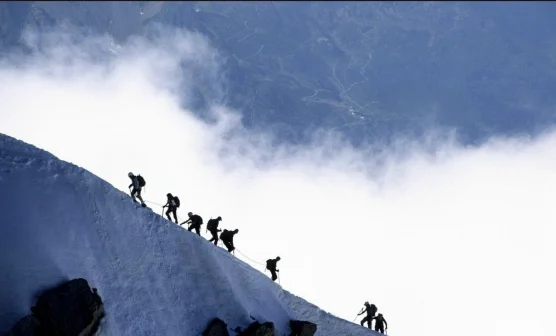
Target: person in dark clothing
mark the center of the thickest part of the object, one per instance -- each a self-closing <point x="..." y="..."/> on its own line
<point x="212" y="226"/>
<point x="172" y="205"/>
<point x="228" y="239"/>
<point x="271" y="266"/>
<point x="380" y="323"/>
<point x="371" y="310"/>
<point x="136" y="191"/>
<point x="196" y="222"/>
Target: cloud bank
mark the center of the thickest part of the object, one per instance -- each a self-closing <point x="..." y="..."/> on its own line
<point x="445" y="239"/>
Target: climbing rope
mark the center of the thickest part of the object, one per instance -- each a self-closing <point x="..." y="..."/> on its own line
<point x="250" y="258"/>
<point x="154" y="203"/>
<point x="277" y="273"/>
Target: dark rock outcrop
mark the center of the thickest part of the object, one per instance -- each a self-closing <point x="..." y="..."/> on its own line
<point x="71" y="309"/>
<point x="216" y="327"/>
<point x="28" y="326"/>
<point x="302" y="328"/>
<point x="258" y="329"/>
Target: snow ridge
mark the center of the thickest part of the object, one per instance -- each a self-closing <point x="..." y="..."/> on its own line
<point x="59" y="222"/>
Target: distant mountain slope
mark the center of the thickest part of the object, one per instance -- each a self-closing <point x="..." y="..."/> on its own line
<point x="58" y="221"/>
<point x="367" y="69"/>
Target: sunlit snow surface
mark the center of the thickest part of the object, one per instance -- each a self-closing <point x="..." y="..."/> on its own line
<point x="58" y="222"/>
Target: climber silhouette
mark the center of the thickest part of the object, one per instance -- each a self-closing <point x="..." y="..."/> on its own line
<point x="212" y="226"/>
<point x="228" y="239"/>
<point x="380" y="323"/>
<point x="173" y="202"/>
<point x="137" y="182"/>
<point x="271" y="266"/>
<point x="371" y="310"/>
<point x="196" y="222"/>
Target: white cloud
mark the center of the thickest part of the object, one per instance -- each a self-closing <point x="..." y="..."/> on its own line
<point x="446" y="240"/>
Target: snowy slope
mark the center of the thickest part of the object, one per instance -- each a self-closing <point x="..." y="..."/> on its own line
<point x="58" y="221"/>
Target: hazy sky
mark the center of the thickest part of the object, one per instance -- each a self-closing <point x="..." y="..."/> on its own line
<point x="445" y="240"/>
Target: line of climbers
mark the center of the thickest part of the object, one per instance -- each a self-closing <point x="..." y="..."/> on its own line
<point x="380" y="323"/>
<point x="195" y="221"/>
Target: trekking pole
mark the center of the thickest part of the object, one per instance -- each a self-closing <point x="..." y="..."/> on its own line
<point x="357" y="315"/>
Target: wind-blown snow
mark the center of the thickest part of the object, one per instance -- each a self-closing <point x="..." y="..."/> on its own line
<point x="59" y="221"/>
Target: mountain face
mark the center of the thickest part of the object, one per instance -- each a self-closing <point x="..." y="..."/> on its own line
<point x="60" y="222"/>
<point x="367" y="69"/>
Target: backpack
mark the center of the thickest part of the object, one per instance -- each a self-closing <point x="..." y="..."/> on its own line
<point x="373" y="309"/>
<point x="270" y="264"/>
<point x="177" y="201"/>
<point x="225" y="235"/>
<point x="141" y="180"/>
<point x="212" y="224"/>
<point x="196" y="220"/>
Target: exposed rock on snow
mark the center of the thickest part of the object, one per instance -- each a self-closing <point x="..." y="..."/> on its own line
<point x="71" y="309"/>
<point x="258" y="329"/>
<point x="27" y="326"/>
<point x="216" y="327"/>
<point x="302" y="328"/>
